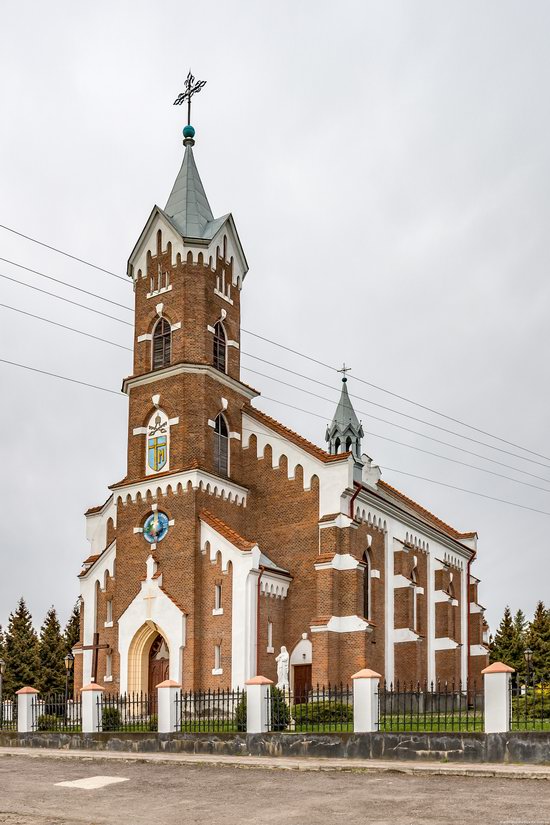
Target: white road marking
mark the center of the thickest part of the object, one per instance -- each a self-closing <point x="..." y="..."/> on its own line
<point x="91" y="783"/>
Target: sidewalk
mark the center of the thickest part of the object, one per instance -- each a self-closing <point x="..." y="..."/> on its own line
<point x="293" y="764"/>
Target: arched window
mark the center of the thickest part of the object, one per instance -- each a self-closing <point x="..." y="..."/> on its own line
<point x="337" y="446"/>
<point x="219" y="347"/>
<point x="162" y="344"/>
<point x="348" y="444"/>
<point x="221" y="446"/>
<point x="366" y="587"/>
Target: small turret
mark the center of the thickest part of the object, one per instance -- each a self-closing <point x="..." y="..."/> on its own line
<point x="345" y="432"/>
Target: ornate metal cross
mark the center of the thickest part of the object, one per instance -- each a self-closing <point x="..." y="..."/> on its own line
<point x="191" y="88"/>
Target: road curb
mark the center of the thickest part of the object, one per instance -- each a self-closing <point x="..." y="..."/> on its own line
<point x="539" y="772"/>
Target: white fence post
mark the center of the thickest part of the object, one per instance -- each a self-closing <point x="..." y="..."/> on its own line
<point x="25" y="698"/>
<point x="91" y="708"/>
<point x="167" y="708"/>
<point x="496" y="684"/>
<point x="365" y="701"/>
<point x="256" y="704"/>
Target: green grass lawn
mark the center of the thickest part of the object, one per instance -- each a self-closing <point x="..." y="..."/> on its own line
<point x="430" y="722"/>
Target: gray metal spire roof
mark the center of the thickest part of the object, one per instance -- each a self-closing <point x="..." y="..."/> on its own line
<point x="346" y="427"/>
<point x="188" y="206"/>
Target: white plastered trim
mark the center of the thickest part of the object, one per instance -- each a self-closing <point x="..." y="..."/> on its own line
<point x="176" y="326"/>
<point x="375" y="574"/>
<point x="401" y="581"/>
<point x="445" y="643"/>
<point x="159" y="291"/>
<point x="233" y="344"/>
<point x="343" y="624"/>
<point x="341" y="520"/>
<point x="145" y="337"/>
<point x="217" y="671"/>
<point x="139" y="431"/>
<point x="476" y="608"/>
<point x="211" y="329"/>
<point x="441" y="596"/>
<point x="235" y="435"/>
<point x="343" y="561"/>
<point x="478" y="650"/>
<point x="217" y="611"/>
<point x="404" y="634"/>
<point x="221" y="295"/>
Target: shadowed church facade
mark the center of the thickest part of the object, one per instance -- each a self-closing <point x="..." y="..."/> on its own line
<point x="231" y="535"/>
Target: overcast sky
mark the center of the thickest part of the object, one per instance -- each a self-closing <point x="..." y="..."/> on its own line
<point x="387" y="164"/>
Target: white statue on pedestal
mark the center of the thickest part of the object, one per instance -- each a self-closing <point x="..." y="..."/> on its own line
<point x="283" y="661"/>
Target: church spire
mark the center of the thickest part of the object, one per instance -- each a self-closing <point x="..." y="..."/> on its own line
<point x="188" y="205"/>
<point x="345" y="432"/>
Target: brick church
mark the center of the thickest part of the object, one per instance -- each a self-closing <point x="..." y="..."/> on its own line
<point x="231" y="535"/>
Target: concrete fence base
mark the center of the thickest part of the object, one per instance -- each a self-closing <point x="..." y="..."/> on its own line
<point x="532" y="747"/>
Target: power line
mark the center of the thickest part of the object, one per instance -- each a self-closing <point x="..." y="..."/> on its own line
<point x="300" y="409"/>
<point x="67" y="300"/>
<point x="66" y="283"/>
<point x="61" y="252"/>
<point x="472" y="492"/>
<point x="407" y="429"/>
<point x="63" y="326"/>
<point x="62" y="377"/>
<point x="419" y="449"/>
<point x="389" y="469"/>
<point x="328" y="366"/>
<point x="397" y="412"/>
<point x="401" y="397"/>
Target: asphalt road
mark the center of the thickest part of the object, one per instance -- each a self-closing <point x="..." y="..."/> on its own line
<point x="179" y="793"/>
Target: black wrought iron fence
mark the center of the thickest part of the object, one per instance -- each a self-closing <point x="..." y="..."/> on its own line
<point x="440" y="706"/>
<point x="318" y="710"/>
<point x="211" y="711"/>
<point x="52" y="712"/>
<point x="133" y="712"/>
<point x="8" y="714"/>
<point x="530" y="704"/>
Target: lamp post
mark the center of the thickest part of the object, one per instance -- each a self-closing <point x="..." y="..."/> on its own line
<point x="528" y="655"/>
<point x="69" y="662"/>
<point x="2" y="671"/>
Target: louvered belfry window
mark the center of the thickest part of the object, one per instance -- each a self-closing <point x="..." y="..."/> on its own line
<point x="162" y="344"/>
<point x="219" y="347"/>
<point x="221" y="446"/>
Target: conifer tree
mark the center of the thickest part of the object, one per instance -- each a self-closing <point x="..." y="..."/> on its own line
<point x="20" y="651"/>
<point x="520" y="624"/>
<point x="71" y="636"/>
<point x="507" y="645"/>
<point x="52" y="654"/>
<point x="538" y="639"/>
<point x="71" y="633"/>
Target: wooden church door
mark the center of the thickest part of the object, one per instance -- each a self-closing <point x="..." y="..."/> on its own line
<point x="159" y="666"/>
<point x="302" y="682"/>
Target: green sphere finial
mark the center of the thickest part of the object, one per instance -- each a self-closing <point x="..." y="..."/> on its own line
<point x="188" y="131"/>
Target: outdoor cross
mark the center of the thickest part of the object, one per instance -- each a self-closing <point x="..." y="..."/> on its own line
<point x="344" y="370"/>
<point x="149" y="598"/>
<point x="95" y="647"/>
<point x="191" y="88"/>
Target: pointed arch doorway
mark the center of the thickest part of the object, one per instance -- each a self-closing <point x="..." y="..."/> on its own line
<point x="159" y="664"/>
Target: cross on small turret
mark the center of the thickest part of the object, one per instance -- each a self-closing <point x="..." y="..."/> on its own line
<point x="344" y="370"/>
<point x="191" y="88"/>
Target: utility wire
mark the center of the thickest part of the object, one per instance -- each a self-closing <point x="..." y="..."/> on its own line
<point x="464" y="490"/>
<point x="61" y="252"/>
<point x="419" y="449"/>
<point x="321" y="363"/>
<point x="300" y="409"/>
<point x="372" y="417"/>
<point x="389" y="469"/>
<point x="63" y="326"/>
<point x="66" y="283"/>
<point x="401" y="397"/>
<point x="67" y="300"/>
<point x="62" y="377"/>
<point x="404" y="415"/>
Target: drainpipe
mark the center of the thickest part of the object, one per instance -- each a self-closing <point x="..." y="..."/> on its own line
<point x="354" y="496"/>
<point x="470" y="560"/>
<point x="262" y="569"/>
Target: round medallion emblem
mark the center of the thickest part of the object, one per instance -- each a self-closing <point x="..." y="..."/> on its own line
<point x="155" y="527"/>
